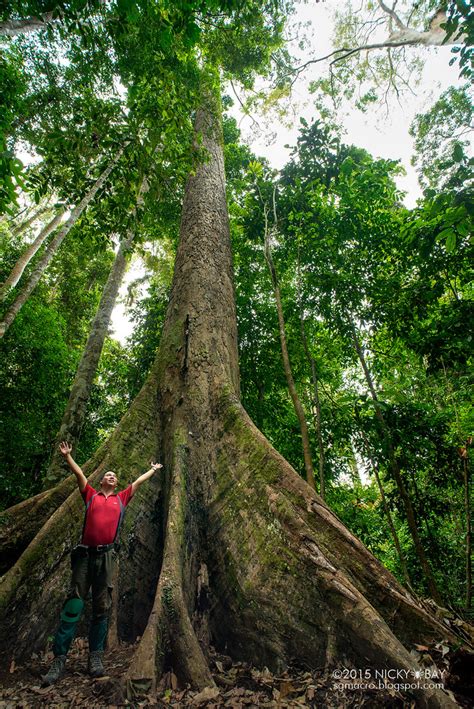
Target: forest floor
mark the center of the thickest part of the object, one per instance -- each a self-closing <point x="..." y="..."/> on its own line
<point x="238" y="686"/>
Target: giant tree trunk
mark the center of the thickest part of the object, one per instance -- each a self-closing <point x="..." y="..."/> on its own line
<point x="53" y="246"/>
<point x="25" y="258"/>
<point x="286" y="580"/>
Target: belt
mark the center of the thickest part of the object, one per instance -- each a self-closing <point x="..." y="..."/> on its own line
<point x="100" y="549"/>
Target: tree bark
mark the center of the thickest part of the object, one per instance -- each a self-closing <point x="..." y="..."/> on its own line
<point x="53" y="246"/>
<point x="395" y="469"/>
<point x="20" y="523"/>
<point x="287" y="582"/>
<point x="297" y="405"/>
<point x="27" y="255"/>
<point x="76" y="407"/>
<point x="20" y="228"/>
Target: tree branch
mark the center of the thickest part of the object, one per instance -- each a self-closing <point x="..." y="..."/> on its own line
<point x="244" y="108"/>
<point x="393" y="15"/>
<point x="11" y="28"/>
<point x="405" y="37"/>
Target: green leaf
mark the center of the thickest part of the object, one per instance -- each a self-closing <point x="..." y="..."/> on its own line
<point x="451" y="242"/>
<point x="458" y="153"/>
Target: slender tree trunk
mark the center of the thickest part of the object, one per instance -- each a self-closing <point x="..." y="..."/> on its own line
<point x="286" y="582"/>
<point x="467" y="514"/>
<point x="355" y="474"/>
<point x="76" y="407"/>
<point x="53" y="246"/>
<point x="299" y="411"/>
<point x="395" y="469"/>
<point x="27" y="255"/>
<point x="375" y="468"/>
<point x="20" y="228"/>
<point x="317" y="410"/>
<point x="314" y="380"/>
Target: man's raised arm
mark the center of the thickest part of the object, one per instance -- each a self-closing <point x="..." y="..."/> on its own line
<point x="66" y="449"/>
<point x="145" y="476"/>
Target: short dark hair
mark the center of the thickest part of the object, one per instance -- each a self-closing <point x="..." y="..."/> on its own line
<point x="106" y="473"/>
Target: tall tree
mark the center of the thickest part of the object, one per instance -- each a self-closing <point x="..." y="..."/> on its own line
<point x="76" y="407"/>
<point x="23" y="261"/>
<point x="299" y="410"/>
<point x="54" y="245"/>
<point x="232" y="505"/>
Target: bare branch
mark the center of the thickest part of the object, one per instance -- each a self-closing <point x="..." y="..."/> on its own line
<point x="404" y="37"/>
<point x="244" y="108"/>
<point x="392" y="14"/>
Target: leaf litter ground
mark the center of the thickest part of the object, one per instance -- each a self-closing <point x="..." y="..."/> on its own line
<point x="238" y="686"/>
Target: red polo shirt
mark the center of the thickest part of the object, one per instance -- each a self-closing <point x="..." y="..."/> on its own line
<point x="103" y="515"/>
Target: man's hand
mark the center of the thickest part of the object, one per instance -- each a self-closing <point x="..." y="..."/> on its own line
<point x="65" y="448"/>
<point x="153" y="468"/>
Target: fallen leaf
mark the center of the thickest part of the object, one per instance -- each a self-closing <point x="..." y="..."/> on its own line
<point x="286" y="688"/>
<point x="207" y="694"/>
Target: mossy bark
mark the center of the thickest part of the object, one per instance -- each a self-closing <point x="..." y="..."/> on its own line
<point x="20" y="523"/>
<point x="229" y="542"/>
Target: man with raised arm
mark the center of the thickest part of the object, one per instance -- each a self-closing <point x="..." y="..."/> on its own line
<point x="92" y="564"/>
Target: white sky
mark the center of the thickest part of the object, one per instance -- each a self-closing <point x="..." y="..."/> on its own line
<point x="384" y="136"/>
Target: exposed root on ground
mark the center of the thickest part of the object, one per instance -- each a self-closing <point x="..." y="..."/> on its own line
<point x="169" y="629"/>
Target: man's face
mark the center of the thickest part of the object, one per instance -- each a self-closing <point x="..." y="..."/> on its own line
<point x="109" y="479"/>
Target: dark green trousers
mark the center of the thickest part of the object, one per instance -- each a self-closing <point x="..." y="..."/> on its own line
<point x="89" y="571"/>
